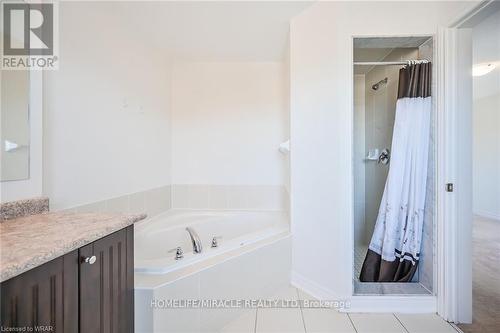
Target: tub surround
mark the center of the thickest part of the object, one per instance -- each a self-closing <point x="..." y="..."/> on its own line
<point x="152" y="201"/>
<point x="30" y="241"/>
<point x="230" y="197"/>
<point x="255" y="272"/>
<point x="249" y="242"/>
<point x="159" y="200"/>
<point x="14" y="209"/>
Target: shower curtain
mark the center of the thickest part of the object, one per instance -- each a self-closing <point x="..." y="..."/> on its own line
<point x="394" y="250"/>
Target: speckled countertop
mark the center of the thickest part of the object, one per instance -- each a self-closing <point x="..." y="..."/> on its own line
<point x="31" y="241"/>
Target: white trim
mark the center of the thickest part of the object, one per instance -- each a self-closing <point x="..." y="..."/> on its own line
<point x="455" y="131"/>
<point x="392" y="304"/>
<point x="487" y="215"/>
<point x="454" y="280"/>
<point x="475" y="14"/>
<point x="463" y="162"/>
<point x="368" y="304"/>
<point x="458" y="329"/>
<point x="445" y="287"/>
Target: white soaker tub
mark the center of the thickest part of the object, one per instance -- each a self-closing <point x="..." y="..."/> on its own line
<point x="252" y="261"/>
<point x="234" y="230"/>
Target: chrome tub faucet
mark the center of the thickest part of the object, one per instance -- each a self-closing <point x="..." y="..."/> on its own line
<point x="195" y="240"/>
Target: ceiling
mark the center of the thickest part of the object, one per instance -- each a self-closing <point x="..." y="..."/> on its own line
<point x="389" y="42"/>
<point x="213" y="31"/>
<point x="377" y="48"/>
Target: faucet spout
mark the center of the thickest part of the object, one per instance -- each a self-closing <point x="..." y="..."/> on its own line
<point x="195" y="240"/>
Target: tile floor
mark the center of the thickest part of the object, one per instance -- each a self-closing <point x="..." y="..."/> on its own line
<point x="359" y="258"/>
<point x="304" y="320"/>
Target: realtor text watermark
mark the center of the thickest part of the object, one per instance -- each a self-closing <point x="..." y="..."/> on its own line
<point x="246" y="303"/>
<point x="30" y="35"/>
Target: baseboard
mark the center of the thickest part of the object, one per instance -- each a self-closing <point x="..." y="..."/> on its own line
<point x="455" y="326"/>
<point x="369" y="304"/>
<point x="487" y="215"/>
<point x="312" y="288"/>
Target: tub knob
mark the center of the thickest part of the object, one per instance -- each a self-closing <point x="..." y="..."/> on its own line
<point x="178" y="252"/>
<point x="214" y="241"/>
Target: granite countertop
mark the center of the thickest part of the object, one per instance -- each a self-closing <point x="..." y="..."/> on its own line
<point x="28" y="242"/>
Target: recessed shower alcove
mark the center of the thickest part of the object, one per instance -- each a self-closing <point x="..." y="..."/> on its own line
<point x="378" y="87"/>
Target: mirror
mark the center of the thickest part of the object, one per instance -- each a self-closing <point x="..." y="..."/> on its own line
<point x="15" y="125"/>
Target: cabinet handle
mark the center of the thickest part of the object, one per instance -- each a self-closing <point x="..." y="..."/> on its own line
<point x="90" y="260"/>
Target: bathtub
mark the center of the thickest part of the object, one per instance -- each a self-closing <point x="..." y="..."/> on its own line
<point x="157" y="239"/>
<point x="252" y="261"/>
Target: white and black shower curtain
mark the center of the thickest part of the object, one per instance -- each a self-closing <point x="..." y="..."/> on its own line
<point x="394" y="250"/>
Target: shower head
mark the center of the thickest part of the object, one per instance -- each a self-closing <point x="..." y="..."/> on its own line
<point x="377" y="85"/>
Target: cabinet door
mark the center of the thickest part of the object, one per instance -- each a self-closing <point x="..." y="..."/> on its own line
<point x="44" y="297"/>
<point x="107" y="285"/>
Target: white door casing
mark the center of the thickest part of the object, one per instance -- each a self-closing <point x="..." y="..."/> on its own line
<point x="454" y="165"/>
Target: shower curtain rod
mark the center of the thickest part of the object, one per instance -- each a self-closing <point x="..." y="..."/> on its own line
<point x="375" y="63"/>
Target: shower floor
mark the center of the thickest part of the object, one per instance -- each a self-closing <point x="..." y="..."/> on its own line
<point x="382" y="288"/>
<point x="359" y="257"/>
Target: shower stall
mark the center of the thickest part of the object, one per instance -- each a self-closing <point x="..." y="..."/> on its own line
<point x="377" y="65"/>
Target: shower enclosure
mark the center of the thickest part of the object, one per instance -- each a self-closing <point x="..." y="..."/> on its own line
<point x="377" y="62"/>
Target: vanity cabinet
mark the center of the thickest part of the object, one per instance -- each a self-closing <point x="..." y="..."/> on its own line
<point x="107" y="285"/>
<point x="87" y="290"/>
<point x="46" y="296"/>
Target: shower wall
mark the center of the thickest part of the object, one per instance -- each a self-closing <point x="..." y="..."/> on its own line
<point x="426" y="271"/>
<point x="359" y="160"/>
<point x="379" y="123"/>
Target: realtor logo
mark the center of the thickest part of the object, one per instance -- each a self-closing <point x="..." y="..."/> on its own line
<point x="29" y="36"/>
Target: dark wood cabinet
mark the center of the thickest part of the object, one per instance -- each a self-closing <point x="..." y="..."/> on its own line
<point x="107" y="286"/>
<point x="71" y="294"/>
<point x="44" y="297"/>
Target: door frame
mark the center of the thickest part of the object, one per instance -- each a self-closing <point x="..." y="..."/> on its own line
<point x="454" y="165"/>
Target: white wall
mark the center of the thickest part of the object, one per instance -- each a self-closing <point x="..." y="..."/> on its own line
<point x="427" y="252"/>
<point x="227" y="123"/>
<point x="486" y="120"/>
<point x="321" y="127"/>
<point x="108" y="116"/>
<point x="106" y="110"/>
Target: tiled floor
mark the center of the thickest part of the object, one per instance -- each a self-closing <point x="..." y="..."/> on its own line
<point x="359" y="258"/>
<point x="308" y="320"/>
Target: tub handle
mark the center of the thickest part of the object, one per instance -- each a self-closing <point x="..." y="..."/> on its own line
<point x="178" y="252"/>
<point x="214" y="241"/>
